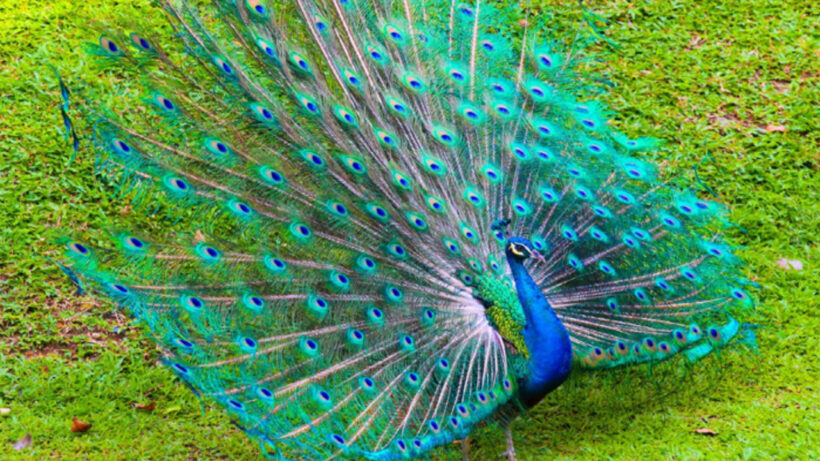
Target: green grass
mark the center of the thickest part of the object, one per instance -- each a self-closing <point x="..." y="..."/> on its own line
<point x="708" y="76"/>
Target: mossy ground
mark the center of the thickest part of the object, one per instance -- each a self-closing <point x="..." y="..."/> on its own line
<point x="732" y="82"/>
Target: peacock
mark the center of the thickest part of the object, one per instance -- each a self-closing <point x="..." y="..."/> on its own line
<point x="407" y="219"/>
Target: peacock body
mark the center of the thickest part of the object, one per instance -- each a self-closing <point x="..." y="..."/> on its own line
<point x="407" y="228"/>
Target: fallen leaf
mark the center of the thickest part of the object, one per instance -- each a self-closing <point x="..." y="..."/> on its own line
<point x="5" y="411"/>
<point x="790" y="264"/>
<point x="171" y="409"/>
<point x="706" y="431"/>
<point x="696" y="41"/>
<point x="775" y="129"/>
<point x="148" y="407"/>
<point x="25" y="442"/>
<point x="79" y="426"/>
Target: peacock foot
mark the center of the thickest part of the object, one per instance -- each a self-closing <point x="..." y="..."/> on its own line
<point x="510" y="453"/>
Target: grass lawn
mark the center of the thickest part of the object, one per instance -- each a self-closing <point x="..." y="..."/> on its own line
<point x="737" y="81"/>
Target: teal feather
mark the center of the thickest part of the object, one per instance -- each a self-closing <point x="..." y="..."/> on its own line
<point x="400" y="209"/>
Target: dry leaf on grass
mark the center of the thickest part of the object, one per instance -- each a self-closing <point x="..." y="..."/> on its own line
<point x="146" y="407"/>
<point x="790" y="264"/>
<point x="79" y="426"/>
<point x="172" y="409"/>
<point x="25" y="442"/>
<point x="705" y="431"/>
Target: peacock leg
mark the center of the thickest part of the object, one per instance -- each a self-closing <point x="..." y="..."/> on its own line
<point x="510" y="453"/>
<point x="465" y="449"/>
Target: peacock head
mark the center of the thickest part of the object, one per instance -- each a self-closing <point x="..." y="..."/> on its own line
<point x="520" y="249"/>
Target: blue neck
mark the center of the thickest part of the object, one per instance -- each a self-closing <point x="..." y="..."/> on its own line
<point x="546" y="338"/>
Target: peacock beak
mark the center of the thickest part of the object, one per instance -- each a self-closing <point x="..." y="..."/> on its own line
<point x="538" y="256"/>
